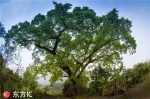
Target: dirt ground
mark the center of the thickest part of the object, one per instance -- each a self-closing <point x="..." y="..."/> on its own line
<point x="91" y="97"/>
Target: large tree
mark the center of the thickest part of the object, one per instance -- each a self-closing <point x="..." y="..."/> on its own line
<point x="72" y="39"/>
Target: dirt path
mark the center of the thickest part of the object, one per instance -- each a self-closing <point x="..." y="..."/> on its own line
<point x="55" y="97"/>
<point x="91" y="97"/>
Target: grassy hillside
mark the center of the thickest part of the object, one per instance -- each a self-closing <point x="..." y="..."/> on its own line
<point x="139" y="91"/>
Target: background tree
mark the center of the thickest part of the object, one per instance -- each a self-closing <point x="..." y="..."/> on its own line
<point x="138" y="73"/>
<point x="71" y="40"/>
<point x="99" y="79"/>
<point x="2" y="30"/>
<point x="118" y="80"/>
<point x="29" y="80"/>
<point x="2" y="60"/>
<point x="8" y="79"/>
<point x="12" y="81"/>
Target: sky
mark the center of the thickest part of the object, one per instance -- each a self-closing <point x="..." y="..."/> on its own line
<point x="138" y="11"/>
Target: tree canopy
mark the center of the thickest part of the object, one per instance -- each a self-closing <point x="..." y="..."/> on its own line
<point x="71" y="40"/>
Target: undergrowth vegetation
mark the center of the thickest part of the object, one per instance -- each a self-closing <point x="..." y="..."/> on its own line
<point x="118" y="81"/>
<point x="104" y="82"/>
<point x="12" y="81"/>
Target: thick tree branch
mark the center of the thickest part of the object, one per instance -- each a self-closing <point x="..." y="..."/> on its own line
<point x="46" y="49"/>
<point x="78" y="63"/>
<point x="67" y="70"/>
<point x="69" y="73"/>
<point x="86" y="51"/>
<point x="90" y="60"/>
<point x="98" y="47"/>
<point x="58" y="38"/>
<point x="83" y="68"/>
<point x="53" y="51"/>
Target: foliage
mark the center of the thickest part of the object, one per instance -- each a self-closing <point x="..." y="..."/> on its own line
<point x="71" y="40"/>
<point x="29" y="79"/>
<point x="2" y="35"/>
<point x="12" y="81"/>
<point x="138" y="73"/>
<point x="38" y="93"/>
<point x="139" y="91"/>
<point x="99" y="79"/>
<point x="2" y="30"/>
<point x="119" y="79"/>
<point x="9" y="80"/>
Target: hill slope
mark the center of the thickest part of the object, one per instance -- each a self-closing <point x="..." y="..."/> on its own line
<point x="139" y="91"/>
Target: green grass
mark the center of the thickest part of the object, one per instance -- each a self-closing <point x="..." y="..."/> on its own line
<point x="59" y="93"/>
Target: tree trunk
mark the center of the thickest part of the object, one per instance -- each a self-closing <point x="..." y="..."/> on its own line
<point x="73" y="81"/>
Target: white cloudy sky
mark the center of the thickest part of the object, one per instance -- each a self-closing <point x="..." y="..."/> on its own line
<point x="138" y="11"/>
